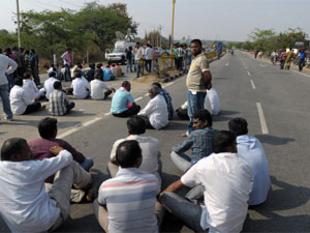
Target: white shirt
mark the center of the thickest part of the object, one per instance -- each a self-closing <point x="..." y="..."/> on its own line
<point x="150" y="151"/>
<point x="31" y="89"/>
<point x="49" y="86"/>
<point x="139" y="53"/>
<point x="19" y="100"/>
<point x="157" y="112"/>
<point x="227" y="181"/>
<point x="7" y="66"/>
<point x="97" y="89"/>
<point x="80" y="87"/>
<point x="252" y="151"/>
<point x="25" y="205"/>
<point x="148" y="53"/>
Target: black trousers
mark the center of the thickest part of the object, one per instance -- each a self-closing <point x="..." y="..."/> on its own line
<point x="32" y="108"/>
<point x="130" y="112"/>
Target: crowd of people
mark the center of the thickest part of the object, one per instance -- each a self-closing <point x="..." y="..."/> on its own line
<point x="223" y="171"/>
<point x="286" y="57"/>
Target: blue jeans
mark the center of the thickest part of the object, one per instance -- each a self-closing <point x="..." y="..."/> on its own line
<point x="195" y="104"/>
<point x="188" y="212"/>
<point x="4" y="95"/>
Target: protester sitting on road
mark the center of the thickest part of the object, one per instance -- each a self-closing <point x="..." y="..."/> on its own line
<point x="81" y="87"/>
<point x="21" y="102"/>
<point x="108" y="74"/>
<point x="227" y="182"/>
<point x="123" y="103"/>
<point x="31" y="88"/>
<point x="26" y="205"/>
<point x="90" y="75"/>
<point x="149" y="145"/>
<point x="167" y="98"/>
<point x="98" y="88"/>
<point x="59" y="105"/>
<point x="127" y="202"/>
<point x="48" y="132"/>
<point x="251" y="150"/>
<point x="49" y="83"/>
<point x="155" y="113"/>
<point x="199" y="141"/>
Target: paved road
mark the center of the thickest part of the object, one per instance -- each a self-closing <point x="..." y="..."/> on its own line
<point x="274" y="102"/>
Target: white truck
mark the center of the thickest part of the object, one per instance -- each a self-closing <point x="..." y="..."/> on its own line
<point x="118" y="54"/>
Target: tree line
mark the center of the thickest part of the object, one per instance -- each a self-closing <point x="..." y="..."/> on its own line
<point x="268" y="40"/>
<point x="88" y="31"/>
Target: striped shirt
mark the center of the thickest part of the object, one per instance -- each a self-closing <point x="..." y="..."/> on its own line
<point x="130" y="199"/>
<point x="58" y="103"/>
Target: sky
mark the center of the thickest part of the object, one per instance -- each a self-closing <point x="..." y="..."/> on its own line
<point x="230" y="20"/>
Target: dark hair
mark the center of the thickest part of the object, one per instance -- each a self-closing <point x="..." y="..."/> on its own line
<point x="18" y="81"/>
<point x="205" y="116"/>
<point x="222" y="140"/>
<point x="125" y="83"/>
<point x="92" y="65"/>
<point x="128" y="153"/>
<point x="238" y="126"/>
<point x="136" y="125"/>
<point x="99" y="74"/>
<point x="197" y="41"/>
<point x="32" y="50"/>
<point x="57" y="85"/>
<point x="157" y="84"/>
<point x="27" y="75"/>
<point x="47" y="127"/>
<point x="12" y="146"/>
<point x="52" y="74"/>
<point x="77" y="73"/>
<point x="99" y="65"/>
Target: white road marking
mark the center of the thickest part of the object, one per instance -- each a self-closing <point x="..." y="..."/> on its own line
<point x="262" y="118"/>
<point x="108" y="113"/>
<point x="249" y="73"/>
<point x="227" y="64"/>
<point x="78" y="127"/>
<point x="252" y="84"/>
<point x="81" y="110"/>
<point x="139" y="98"/>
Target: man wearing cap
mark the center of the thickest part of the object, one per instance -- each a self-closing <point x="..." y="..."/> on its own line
<point x="155" y="112"/>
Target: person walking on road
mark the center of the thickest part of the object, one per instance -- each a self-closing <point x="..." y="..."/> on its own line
<point x="301" y="59"/>
<point x="139" y="59"/>
<point x="34" y="62"/>
<point x="198" y="81"/>
<point x="67" y="59"/>
<point x="7" y="67"/>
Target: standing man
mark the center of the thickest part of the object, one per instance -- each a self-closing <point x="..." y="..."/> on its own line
<point x="34" y="62"/>
<point x="7" y="67"/>
<point x="67" y="59"/>
<point x="148" y="58"/>
<point x="139" y="59"/>
<point x="198" y="81"/>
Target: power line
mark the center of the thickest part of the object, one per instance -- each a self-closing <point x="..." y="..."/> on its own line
<point x="70" y="3"/>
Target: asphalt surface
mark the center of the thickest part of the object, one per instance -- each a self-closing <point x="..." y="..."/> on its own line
<point x="274" y="102"/>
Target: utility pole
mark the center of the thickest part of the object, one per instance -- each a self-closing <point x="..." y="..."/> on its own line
<point x="172" y="30"/>
<point x="18" y="24"/>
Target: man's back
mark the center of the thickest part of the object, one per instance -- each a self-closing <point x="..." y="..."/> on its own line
<point x="57" y="103"/>
<point x="25" y="205"/>
<point x="49" y="86"/>
<point x="150" y="151"/>
<point x="251" y="150"/>
<point x="19" y="100"/>
<point x="130" y="198"/>
<point x="80" y="87"/>
<point x="5" y="62"/>
<point x="120" y="100"/>
<point x="227" y="182"/>
<point x="97" y="89"/>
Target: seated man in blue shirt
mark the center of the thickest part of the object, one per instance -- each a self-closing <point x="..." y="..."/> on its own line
<point x="252" y="152"/>
<point x="123" y="103"/>
<point x="107" y="74"/>
<point x="200" y="141"/>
